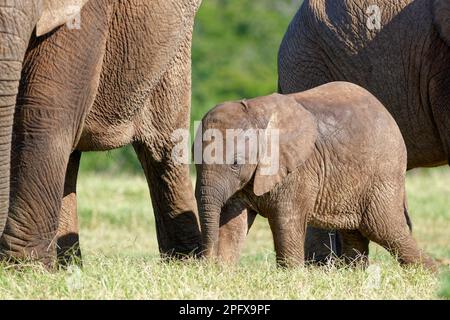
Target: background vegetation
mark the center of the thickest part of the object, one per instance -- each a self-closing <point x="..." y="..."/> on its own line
<point x="234" y="56"/>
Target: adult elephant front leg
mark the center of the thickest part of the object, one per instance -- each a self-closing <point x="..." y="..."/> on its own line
<point x="59" y="83"/>
<point x="40" y="157"/>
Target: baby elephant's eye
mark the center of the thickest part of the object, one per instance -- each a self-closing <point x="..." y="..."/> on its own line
<point x="235" y="165"/>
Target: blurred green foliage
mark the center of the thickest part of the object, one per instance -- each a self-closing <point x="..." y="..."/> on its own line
<point x="234" y="56"/>
<point x="235" y="49"/>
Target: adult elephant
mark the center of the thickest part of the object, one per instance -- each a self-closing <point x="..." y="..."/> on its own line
<point x="398" y="50"/>
<point x="122" y="77"/>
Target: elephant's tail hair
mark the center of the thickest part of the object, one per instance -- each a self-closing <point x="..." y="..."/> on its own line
<point x="408" y="219"/>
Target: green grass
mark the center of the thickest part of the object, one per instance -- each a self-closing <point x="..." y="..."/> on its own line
<point x="446" y="286"/>
<point x="121" y="260"/>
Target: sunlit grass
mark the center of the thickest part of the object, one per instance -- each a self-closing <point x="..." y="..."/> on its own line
<point x="125" y="277"/>
<point x="445" y="293"/>
<point x="121" y="257"/>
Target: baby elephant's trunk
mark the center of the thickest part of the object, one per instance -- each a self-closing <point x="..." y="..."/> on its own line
<point x="210" y="203"/>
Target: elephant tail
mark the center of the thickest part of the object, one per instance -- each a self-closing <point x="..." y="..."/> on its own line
<point x="405" y="211"/>
<point x="408" y="219"/>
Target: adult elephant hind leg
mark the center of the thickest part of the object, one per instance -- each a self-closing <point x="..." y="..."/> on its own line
<point x="355" y="248"/>
<point x="173" y="202"/>
<point x="439" y="96"/>
<point x="322" y="245"/>
<point x="68" y="240"/>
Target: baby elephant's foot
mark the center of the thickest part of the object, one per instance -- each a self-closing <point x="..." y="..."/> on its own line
<point x="405" y="249"/>
<point x="421" y="259"/>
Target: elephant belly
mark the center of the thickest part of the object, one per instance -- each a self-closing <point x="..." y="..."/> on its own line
<point x="339" y="204"/>
<point x="135" y="64"/>
<point x="103" y="137"/>
<point x="339" y="219"/>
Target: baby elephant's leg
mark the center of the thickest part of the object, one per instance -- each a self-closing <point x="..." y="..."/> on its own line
<point x="403" y="246"/>
<point x="355" y="248"/>
<point x="386" y="224"/>
<point x="289" y="230"/>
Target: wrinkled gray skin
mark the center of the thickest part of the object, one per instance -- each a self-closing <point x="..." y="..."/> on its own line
<point x="405" y="64"/>
<point x="123" y="78"/>
<point x="342" y="165"/>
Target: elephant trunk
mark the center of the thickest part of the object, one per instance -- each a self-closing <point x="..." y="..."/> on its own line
<point x="17" y="22"/>
<point x="211" y="199"/>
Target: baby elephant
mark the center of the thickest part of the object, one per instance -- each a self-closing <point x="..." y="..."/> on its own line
<point x="331" y="157"/>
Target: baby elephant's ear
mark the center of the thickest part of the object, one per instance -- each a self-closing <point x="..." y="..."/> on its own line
<point x="441" y="14"/>
<point x="291" y="135"/>
<point x="55" y="13"/>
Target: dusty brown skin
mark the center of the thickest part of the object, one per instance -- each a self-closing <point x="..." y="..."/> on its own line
<point x="405" y="64"/>
<point x="123" y="78"/>
<point x="342" y="166"/>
